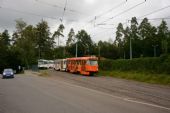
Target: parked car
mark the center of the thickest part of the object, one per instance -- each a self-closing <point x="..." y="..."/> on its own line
<point x="8" y="73"/>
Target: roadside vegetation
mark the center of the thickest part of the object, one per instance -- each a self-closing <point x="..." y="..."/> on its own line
<point x="149" y="65"/>
<point x="150" y="70"/>
<point x="152" y="78"/>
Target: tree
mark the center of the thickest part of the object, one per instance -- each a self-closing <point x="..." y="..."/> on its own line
<point x="45" y="43"/>
<point x="5" y="38"/>
<point x="169" y="42"/>
<point x="7" y="58"/>
<point x="108" y="50"/>
<point x="59" y="33"/>
<point x="119" y="39"/>
<point x="147" y="35"/>
<point x="3" y="51"/>
<point x="71" y="37"/>
<point x="15" y="36"/>
<point x="85" y="43"/>
<point x="25" y="46"/>
<point x="163" y="36"/>
<point x="126" y="41"/>
<point x="20" y="25"/>
<point x="134" y="39"/>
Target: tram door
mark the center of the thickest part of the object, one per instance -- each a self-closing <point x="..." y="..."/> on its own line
<point x="83" y="62"/>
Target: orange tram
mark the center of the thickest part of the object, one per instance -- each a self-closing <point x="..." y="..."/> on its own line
<point x="82" y="65"/>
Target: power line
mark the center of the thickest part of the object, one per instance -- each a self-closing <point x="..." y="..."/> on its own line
<point x="105" y="24"/>
<point x="106" y="12"/>
<point x="46" y="3"/>
<point x="28" y="13"/>
<point x="57" y="6"/>
<point x="104" y="27"/>
<point x="158" y="10"/>
<point x="123" y="12"/>
<point x="165" y="18"/>
<point x="110" y="10"/>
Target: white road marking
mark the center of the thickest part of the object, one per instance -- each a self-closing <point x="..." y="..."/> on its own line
<point x="144" y="103"/>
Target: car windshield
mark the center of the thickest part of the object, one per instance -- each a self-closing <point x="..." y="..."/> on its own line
<point x="8" y="70"/>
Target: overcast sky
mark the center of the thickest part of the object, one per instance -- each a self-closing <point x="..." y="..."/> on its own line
<point x="98" y="17"/>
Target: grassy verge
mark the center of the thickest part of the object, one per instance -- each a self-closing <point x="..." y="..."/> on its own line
<point x="163" y="79"/>
<point x="43" y="73"/>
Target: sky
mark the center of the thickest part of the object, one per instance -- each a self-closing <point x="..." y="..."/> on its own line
<point x="98" y="17"/>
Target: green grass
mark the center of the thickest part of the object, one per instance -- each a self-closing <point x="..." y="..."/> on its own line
<point x="163" y="79"/>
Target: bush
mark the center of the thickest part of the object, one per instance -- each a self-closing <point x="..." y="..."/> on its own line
<point x="153" y="65"/>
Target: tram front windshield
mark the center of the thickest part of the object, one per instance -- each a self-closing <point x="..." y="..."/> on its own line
<point x="92" y="62"/>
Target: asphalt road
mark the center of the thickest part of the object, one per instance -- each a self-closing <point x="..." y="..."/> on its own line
<point x="33" y="94"/>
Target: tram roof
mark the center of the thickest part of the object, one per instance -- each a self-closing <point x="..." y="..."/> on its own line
<point x="83" y="58"/>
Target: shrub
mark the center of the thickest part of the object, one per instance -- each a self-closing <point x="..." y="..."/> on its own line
<point x="153" y="65"/>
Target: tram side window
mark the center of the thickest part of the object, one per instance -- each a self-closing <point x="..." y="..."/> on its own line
<point x="88" y="62"/>
<point x="78" y="62"/>
<point x="84" y="62"/>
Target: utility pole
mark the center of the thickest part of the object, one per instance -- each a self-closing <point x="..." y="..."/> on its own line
<point x="130" y="48"/>
<point x="130" y="43"/>
<point x="76" y="42"/>
<point x="76" y="49"/>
